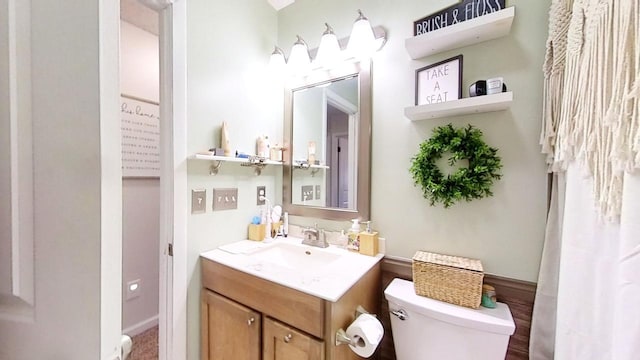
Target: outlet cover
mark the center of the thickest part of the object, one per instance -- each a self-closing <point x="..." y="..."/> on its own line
<point x="307" y="193"/>
<point x="261" y="191"/>
<point x="198" y="201"/>
<point x="133" y="289"/>
<point x="225" y="199"/>
<point x="317" y="192"/>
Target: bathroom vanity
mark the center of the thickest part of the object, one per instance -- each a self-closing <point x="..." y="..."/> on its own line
<point x="283" y="300"/>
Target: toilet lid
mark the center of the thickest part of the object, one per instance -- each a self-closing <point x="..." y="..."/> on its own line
<point x="497" y="320"/>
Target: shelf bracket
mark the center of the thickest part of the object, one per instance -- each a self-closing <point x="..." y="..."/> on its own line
<point x="307" y="166"/>
<point x="214" y="167"/>
<point x="257" y="163"/>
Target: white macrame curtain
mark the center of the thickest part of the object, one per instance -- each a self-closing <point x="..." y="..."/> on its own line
<point x="591" y="105"/>
<point x="588" y="299"/>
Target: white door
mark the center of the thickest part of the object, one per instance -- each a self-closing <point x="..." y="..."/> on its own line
<point x="60" y="190"/>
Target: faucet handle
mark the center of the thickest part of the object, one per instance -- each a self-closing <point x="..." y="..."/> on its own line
<point x="323" y="239"/>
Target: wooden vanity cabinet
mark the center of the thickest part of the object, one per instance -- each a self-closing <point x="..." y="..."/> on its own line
<point x="287" y="324"/>
<point x="229" y="330"/>
<point x="282" y="342"/>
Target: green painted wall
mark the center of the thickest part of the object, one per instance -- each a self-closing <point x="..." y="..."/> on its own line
<point x="506" y="231"/>
<point x="228" y="45"/>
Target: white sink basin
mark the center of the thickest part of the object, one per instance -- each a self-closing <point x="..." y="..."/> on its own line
<point x="323" y="272"/>
<point x="296" y="257"/>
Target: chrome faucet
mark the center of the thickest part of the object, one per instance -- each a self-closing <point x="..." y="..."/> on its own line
<point x="314" y="237"/>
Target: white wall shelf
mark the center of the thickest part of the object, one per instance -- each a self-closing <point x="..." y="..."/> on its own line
<point x="257" y="163"/>
<point x="480" y="29"/>
<point x="314" y="168"/>
<point x="465" y="106"/>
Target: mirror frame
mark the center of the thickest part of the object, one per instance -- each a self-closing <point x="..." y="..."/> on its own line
<point x="363" y="186"/>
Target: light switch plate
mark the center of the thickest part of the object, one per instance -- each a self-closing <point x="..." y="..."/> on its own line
<point x="317" y="192"/>
<point x="198" y="201"/>
<point x="225" y="199"/>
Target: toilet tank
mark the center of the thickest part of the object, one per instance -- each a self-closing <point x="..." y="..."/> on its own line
<point x="433" y="329"/>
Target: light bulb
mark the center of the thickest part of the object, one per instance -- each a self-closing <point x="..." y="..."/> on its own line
<point x="299" y="60"/>
<point x="362" y="40"/>
<point x="329" y="49"/>
<point x="277" y="61"/>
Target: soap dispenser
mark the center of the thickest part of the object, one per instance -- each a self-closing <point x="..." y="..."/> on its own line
<point x="368" y="241"/>
<point x="353" y="234"/>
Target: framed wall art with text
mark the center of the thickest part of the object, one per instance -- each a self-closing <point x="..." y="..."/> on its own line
<point x="439" y="82"/>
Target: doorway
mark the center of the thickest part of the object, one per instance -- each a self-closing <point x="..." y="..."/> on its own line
<point x="337" y="158"/>
<point x="140" y="94"/>
<point x="340" y="123"/>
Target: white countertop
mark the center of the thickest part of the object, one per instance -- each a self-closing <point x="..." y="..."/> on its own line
<point x="328" y="282"/>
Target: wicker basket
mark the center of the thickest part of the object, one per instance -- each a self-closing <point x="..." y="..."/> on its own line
<point x="452" y="279"/>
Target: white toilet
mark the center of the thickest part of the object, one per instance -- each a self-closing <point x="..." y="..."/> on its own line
<point x="425" y="328"/>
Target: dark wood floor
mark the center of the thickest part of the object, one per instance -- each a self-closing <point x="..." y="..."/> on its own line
<point x="517" y="294"/>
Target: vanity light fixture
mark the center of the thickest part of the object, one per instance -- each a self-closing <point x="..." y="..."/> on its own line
<point x="329" y="49"/>
<point x="299" y="60"/>
<point x="362" y="42"/>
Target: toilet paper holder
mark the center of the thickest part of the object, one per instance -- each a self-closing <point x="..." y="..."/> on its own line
<point x="341" y="334"/>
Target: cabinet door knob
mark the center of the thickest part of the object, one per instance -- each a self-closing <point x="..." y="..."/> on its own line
<point x="287" y="338"/>
<point x="251" y="321"/>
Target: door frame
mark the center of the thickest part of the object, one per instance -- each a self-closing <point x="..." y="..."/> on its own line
<point x="172" y="317"/>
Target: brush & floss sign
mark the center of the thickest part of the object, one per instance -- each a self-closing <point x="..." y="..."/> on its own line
<point x="462" y="11"/>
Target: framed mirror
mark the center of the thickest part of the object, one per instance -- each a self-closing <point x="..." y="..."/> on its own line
<point x="328" y="135"/>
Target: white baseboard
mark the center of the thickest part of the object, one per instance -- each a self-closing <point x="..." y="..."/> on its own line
<point x="140" y="327"/>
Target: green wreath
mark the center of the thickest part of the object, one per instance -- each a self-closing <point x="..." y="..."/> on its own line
<point x="466" y="183"/>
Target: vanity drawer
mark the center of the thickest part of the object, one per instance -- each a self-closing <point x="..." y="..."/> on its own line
<point x="300" y="310"/>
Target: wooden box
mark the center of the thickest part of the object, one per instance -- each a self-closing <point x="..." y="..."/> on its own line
<point x="369" y="243"/>
<point x="257" y="232"/>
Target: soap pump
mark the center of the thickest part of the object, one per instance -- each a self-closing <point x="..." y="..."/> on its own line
<point x="353" y="234"/>
<point x="368" y="241"/>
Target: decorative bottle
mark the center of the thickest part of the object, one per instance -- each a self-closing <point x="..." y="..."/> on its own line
<point x="224" y="139"/>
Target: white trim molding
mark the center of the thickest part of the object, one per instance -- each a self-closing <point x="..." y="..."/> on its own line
<point x="280" y="4"/>
<point x="173" y="183"/>
<point x="141" y="327"/>
<point x="156" y="5"/>
<point x="16" y="163"/>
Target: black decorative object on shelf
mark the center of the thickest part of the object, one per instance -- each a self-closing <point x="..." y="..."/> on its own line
<point x="465" y="183"/>
<point x="463" y="11"/>
<point x="480" y="87"/>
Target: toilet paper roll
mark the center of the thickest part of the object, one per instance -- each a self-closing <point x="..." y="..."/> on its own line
<point x="365" y="333"/>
